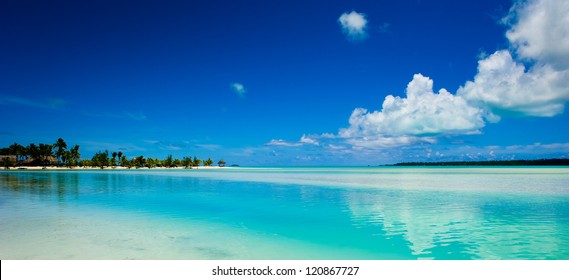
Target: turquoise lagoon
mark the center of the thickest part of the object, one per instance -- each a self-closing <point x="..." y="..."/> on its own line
<point x="286" y="213"/>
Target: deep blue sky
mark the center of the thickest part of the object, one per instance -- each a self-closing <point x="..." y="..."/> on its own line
<point x="155" y="77"/>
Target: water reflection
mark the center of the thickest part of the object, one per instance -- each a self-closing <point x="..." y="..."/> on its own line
<point x="42" y="185"/>
<point x="469" y="226"/>
<point x="347" y="222"/>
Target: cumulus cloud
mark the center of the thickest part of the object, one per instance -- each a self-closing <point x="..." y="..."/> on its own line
<point x="354" y="25"/>
<point x="539" y="36"/>
<point x="239" y="89"/>
<point x="539" y="30"/>
<point x="530" y="78"/>
<point x="504" y="86"/>
<point x="415" y="118"/>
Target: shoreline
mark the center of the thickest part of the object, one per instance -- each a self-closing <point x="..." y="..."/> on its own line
<point x="63" y="168"/>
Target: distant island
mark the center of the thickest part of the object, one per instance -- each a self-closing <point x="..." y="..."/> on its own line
<point x="520" y="162"/>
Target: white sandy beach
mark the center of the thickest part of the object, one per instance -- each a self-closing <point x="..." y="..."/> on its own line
<point x="105" y="168"/>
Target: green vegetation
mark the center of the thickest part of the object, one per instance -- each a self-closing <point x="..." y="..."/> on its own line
<point x="208" y="162"/>
<point x="58" y="154"/>
<point x="537" y="162"/>
<point x="7" y="162"/>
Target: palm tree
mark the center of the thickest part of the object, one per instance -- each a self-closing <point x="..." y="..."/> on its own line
<point x="101" y="159"/>
<point x="18" y="150"/>
<point x="139" y="161"/>
<point x="114" y="159"/>
<point x="208" y="162"/>
<point x="7" y="163"/>
<point x="86" y="162"/>
<point x="60" y="147"/>
<point x="168" y="161"/>
<point x="142" y="161"/>
<point x="187" y="162"/>
<point x="150" y="162"/>
<point x="197" y="161"/>
<point x="45" y="151"/>
<point x="67" y="158"/>
<point x="119" y="154"/>
<point x="125" y="162"/>
<point x="33" y="151"/>
<point x="221" y="163"/>
<point x="75" y="156"/>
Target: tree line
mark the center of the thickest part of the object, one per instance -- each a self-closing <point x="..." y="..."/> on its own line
<point x="521" y="162"/>
<point x="58" y="154"/>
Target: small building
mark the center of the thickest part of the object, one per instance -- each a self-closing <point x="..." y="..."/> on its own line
<point x="50" y="160"/>
<point x="9" y="157"/>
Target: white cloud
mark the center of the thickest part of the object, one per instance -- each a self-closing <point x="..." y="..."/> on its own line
<point x="540" y="31"/>
<point x="530" y="79"/>
<point x="239" y="89"/>
<point x="281" y="142"/>
<point x="354" y="25"/>
<point x="422" y="113"/>
<point x="536" y="150"/>
<point x="382" y="142"/>
<point x="304" y="140"/>
<point x="539" y="35"/>
<point x="308" y="140"/>
<point x="503" y="86"/>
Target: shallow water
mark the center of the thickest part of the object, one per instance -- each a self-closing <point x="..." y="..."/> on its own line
<point x="286" y="213"/>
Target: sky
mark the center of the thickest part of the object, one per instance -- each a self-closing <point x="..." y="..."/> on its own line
<point x="271" y="83"/>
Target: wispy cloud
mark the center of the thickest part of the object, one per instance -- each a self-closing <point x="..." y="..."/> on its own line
<point x="238" y="88"/>
<point x="135" y="116"/>
<point x="354" y="25"/>
<point x="494" y="152"/>
<point x="383" y="151"/>
<point x="304" y="140"/>
<point x="43" y="103"/>
<point x="168" y="145"/>
<point x="181" y="145"/>
<point x="210" y="147"/>
<point x="123" y="115"/>
<point x="281" y="142"/>
<point x="95" y="146"/>
<point x="384" y="28"/>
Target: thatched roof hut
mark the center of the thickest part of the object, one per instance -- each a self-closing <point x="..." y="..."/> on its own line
<point x="9" y="157"/>
<point x="41" y="160"/>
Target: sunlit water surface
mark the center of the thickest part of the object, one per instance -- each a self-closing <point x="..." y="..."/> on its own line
<point x="286" y="213"/>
